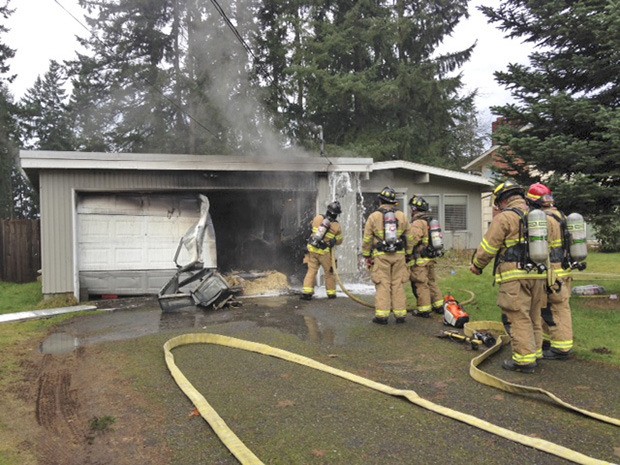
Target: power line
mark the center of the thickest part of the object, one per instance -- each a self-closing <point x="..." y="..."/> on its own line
<point x="245" y="45"/>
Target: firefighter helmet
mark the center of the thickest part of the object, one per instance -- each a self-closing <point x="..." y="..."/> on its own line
<point x="539" y="195"/>
<point x="334" y="209"/>
<point x="388" y="195"/>
<point x="419" y="204"/>
<point x="507" y="189"/>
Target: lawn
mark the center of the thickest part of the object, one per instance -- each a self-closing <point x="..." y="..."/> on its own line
<point x="595" y="319"/>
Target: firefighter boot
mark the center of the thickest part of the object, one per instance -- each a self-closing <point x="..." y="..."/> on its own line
<point x="306" y="297"/>
<point x="553" y="354"/>
<point x="511" y="365"/>
<point x="422" y="314"/>
<point x="380" y="321"/>
<point x="400" y="320"/>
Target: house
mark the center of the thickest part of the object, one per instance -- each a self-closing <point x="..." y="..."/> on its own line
<point x="486" y="166"/>
<point x="483" y="165"/>
<point x="111" y="222"/>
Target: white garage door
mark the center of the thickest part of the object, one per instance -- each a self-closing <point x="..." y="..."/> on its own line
<point x="124" y="239"/>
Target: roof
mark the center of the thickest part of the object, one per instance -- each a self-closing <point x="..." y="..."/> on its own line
<point x="32" y="161"/>
<point x="481" y="161"/>
<point x="35" y="160"/>
<point x="441" y="172"/>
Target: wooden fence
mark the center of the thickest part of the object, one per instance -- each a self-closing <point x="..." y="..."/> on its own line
<point x="20" y="250"/>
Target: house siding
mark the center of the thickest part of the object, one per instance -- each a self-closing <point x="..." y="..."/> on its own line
<point x="62" y="177"/>
<point x="58" y="190"/>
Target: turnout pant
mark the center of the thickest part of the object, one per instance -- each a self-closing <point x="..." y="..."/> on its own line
<point x="389" y="273"/>
<point x="314" y="262"/>
<point x="424" y="281"/>
<point x="521" y="302"/>
<point x="557" y="324"/>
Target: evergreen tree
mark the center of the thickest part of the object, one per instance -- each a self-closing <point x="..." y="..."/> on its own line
<point x="166" y="76"/>
<point x="566" y="123"/>
<point x="367" y="72"/>
<point x="8" y="145"/>
<point x="44" y="114"/>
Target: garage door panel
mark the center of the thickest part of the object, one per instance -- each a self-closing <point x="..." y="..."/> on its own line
<point x="92" y="258"/>
<point x="94" y="229"/>
<point x="128" y="258"/>
<point x="162" y="258"/>
<point x="129" y="227"/>
<point x="144" y="236"/>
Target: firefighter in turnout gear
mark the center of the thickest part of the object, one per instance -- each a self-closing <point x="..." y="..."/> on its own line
<point x="557" y="323"/>
<point x="422" y="263"/>
<point x="385" y="243"/>
<point x="522" y="294"/>
<point x="326" y="233"/>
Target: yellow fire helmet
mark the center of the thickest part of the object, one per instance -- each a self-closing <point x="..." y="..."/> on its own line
<point x="506" y="189"/>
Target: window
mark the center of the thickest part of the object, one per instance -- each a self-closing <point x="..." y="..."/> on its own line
<point x="455" y="212"/>
<point x="433" y="203"/>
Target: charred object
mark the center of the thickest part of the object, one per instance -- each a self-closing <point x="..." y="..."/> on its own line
<point x="197" y="283"/>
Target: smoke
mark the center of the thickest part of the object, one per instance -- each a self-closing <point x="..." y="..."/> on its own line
<point x="237" y="101"/>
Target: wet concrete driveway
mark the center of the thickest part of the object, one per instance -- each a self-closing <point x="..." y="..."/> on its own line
<point x="289" y="414"/>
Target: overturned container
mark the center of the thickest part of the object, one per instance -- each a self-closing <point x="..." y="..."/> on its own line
<point x="197" y="283"/>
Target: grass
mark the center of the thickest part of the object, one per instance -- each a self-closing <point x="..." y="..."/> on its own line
<point x="19" y="297"/>
<point x="595" y="320"/>
<point x="101" y="424"/>
<point x="23" y="297"/>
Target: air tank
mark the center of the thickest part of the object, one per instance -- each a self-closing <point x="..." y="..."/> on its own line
<point x="390" y="225"/>
<point x="436" y="235"/>
<point x="577" y="229"/>
<point x="317" y="237"/>
<point x="538" y="247"/>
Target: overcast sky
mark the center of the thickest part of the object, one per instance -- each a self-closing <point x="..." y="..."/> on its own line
<point x="41" y="30"/>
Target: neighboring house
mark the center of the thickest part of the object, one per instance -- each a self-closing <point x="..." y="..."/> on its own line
<point x="486" y="165"/>
<point x="483" y="166"/>
<point x="111" y="222"/>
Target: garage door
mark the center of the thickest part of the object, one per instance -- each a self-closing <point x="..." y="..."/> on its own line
<point x="127" y="243"/>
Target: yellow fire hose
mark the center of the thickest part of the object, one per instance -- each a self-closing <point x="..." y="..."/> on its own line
<point x="368" y="304"/>
<point x="504" y="339"/>
<point x="245" y="455"/>
<point x="344" y="289"/>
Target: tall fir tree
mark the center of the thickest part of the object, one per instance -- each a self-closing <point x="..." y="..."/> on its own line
<point x="44" y="116"/>
<point x="166" y="76"/>
<point x="369" y="73"/>
<point x="565" y="124"/>
<point x="8" y="135"/>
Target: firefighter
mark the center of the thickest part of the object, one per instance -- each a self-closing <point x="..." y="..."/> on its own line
<point x="326" y="233"/>
<point x="521" y="294"/>
<point x="422" y="264"/>
<point x="385" y="243"/>
<point x="557" y="323"/>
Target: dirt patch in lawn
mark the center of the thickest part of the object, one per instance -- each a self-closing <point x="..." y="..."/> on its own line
<point x="82" y="411"/>
<point x="109" y="398"/>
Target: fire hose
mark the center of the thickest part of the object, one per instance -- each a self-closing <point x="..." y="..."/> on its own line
<point x="476" y="327"/>
<point x="368" y="304"/>
<point x="246" y="457"/>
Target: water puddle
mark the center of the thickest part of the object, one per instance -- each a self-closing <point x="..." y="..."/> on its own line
<point x="59" y="343"/>
<point x="320" y="321"/>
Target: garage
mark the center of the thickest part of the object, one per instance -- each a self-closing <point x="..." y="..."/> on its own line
<point x="111" y="222"/>
<point x="126" y="242"/>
